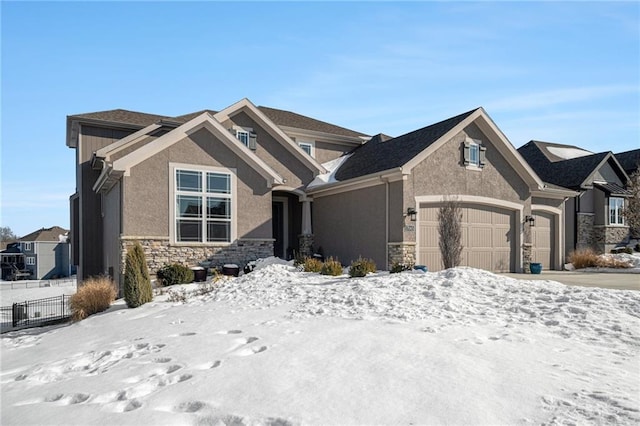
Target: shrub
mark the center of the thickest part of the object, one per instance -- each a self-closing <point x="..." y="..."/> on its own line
<point x="450" y="232"/>
<point x="397" y="267"/>
<point x="174" y="274"/>
<point x="637" y="248"/>
<point x="311" y="264"/>
<point x="361" y="267"/>
<point x="95" y="295"/>
<point x="331" y="266"/>
<point x="583" y="258"/>
<point x="137" y="284"/>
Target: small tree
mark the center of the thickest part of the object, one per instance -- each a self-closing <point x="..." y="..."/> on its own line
<point x="137" y="284"/>
<point x="450" y="231"/>
<point x="6" y="234"/>
<point x="632" y="212"/>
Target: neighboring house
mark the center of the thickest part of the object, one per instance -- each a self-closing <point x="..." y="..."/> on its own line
<point x="629" y="160"/>
<point x="239" y="184"/>
<point x="45" y="253"/>
<point x="594" y="218"/>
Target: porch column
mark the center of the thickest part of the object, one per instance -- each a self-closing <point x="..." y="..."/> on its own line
<point x="306" y="235"/>
<point x="306" y="218"/>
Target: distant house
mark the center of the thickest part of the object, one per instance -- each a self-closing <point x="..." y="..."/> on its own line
<point x="251" y="181"/>
<point x="594" y="218"/>
<point x="45" y="253"/>
<point x="629" y="160"/>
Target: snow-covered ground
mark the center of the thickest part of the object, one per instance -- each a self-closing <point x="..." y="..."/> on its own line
<point x="278" y="346"/>
<point x="19" y="291"/>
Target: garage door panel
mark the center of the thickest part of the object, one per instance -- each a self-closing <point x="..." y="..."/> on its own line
<point x="487" y="238"/>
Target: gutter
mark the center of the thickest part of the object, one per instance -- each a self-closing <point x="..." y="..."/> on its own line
<point x="379" y="176"/>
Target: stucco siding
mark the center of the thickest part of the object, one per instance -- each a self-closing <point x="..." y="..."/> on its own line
<point x="326" y="151"/>
<point x="570" y="225"/>
<point x="586" y="202"/>
<point x="443" y="173"/>
<point x="275" y="154"/>
<point x="600" y="207"/>
<point x="352" y="224"/>
<point x="607" y="174"/>
<point x="146" y="207"/>
<point x="396" y="219"/>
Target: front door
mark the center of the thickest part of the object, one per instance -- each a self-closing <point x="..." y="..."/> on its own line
<point x="280" y="232"/>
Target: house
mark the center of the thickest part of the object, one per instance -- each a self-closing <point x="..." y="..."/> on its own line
<point x="629" y="160"/>
<point x="44" y="253"/>
<point x="594" y="218"/>
<point x="248" y="182"/>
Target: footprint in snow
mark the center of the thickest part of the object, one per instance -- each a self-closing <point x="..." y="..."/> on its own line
<point x="251" y="351"/>
<point x="229" y="332"/>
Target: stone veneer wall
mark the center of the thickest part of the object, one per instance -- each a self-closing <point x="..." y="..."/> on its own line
<point x="305" y="244"/>
<point x="158" y="251"/>
<point x="401" y="253"/>
<point x="607" y="237"/>
<point x="585" y="239"/>
<point x="527" y="255"/>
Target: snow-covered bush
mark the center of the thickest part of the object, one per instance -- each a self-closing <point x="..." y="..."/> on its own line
<point x="95" y="295"/>
<point x="331" y="266"/>
<point x="361" y="267"/>
<point x="174" y="274"/>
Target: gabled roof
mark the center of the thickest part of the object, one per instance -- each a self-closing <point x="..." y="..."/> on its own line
<point x="629" y="160"/>
<point x="573" y="173"/>
<point x="46" y="234"/>
<point x="381" y="154"/>
<point x="298" y="121"/>
<point x="121" y="116"/>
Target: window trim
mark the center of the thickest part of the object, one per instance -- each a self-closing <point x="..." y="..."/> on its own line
<point x="27" y="246"/>
<point x="617" y="212"/>
<point x="30" y="260"/>
<point x="310" y="144"/>
<point x="173" y="194"/>
<point x="468" y="147"/>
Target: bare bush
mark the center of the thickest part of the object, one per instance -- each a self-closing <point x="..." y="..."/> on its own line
<point x="450" y="231"/>
<point x="95" y="295"/>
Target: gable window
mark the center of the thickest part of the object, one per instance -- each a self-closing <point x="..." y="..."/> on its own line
<point x="307" y="147"/>
<point x="30" y="260"/>
<point x="246" y="135"/>
<point x="474" y="154"/>
<point x="616" y="205"/>
<point x="27" y="246"/>
<point x="203" y="206"/>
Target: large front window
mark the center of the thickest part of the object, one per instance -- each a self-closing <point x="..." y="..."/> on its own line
<point x="203" y="206"/>
<point x="616" y="205"/>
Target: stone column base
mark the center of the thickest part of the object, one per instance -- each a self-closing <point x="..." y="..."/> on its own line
<point x="305" y="244"/>
<point x="404" y="253"/>
<point x="527" y="256"/>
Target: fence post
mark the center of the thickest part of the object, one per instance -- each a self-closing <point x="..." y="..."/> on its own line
<point x="14" y="320"/>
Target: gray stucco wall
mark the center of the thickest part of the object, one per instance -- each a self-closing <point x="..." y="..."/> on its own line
<point x="276" y="155"/>
<point x="570" y="225"/>
<point x="600" y="207"/>
<point x="352" y="224"/>
<point x="326" y="151"/>
<point x="146" y="206"/>
<point x="443" y="173"/>
<point x="607" y="174"/>
<point x="586" y="202"/>
<point x="52" y="260"/>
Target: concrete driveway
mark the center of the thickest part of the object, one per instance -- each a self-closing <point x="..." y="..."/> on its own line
<point x="619" y="281"/>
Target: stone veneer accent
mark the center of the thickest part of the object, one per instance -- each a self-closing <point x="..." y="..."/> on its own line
<point x="607" y="237"/>
<point x="585" y="239"/>
<point x="305" y="244"/>
<point x="401" y="253"/>
<point x="527" y="255"/>
<point x="159" y="251"/>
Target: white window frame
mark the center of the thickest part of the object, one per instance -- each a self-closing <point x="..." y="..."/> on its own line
<point x="615" y="211"/>
<point x="203" y="194"/>
<point x="311" y="145"/>
<point x="240" y="133"/>
<point x="474" y="148"/>
<point x="27" y="246"/>
<point x="30" y="260"/>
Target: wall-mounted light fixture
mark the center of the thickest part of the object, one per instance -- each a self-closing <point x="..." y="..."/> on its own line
<point x="411" y="212"/>
<point x="530" y="219"/>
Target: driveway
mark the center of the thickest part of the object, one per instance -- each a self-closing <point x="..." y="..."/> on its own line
<point x="619" y="281"/>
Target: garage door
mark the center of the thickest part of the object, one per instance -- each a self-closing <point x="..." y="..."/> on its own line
<point x="542" y="237"/>
<point x="487" y="238"/>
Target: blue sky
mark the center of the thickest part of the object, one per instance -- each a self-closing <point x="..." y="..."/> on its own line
<point x="564" y="72"/>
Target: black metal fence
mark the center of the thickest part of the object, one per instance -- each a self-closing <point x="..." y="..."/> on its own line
<point x="35" y="313"/>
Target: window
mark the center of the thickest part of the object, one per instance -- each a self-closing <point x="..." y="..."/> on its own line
<point x="474" y="154"/>
<point x="30" y="260"/>
<point x="27" y="246"/>
<point x="307" y="147"/>
<point x="243" y="137"/>
<point x="203" y="206"/>
<point x="616" y="205"/>
<point x="246" y="136"/>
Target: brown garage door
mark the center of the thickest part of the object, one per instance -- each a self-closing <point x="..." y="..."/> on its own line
<point x="487" y="238"/>
<point x="542" y="239"/>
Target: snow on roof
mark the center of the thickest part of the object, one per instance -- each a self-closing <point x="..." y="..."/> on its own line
<point x="568" y="153"/>
<point x="329" y="177"/>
